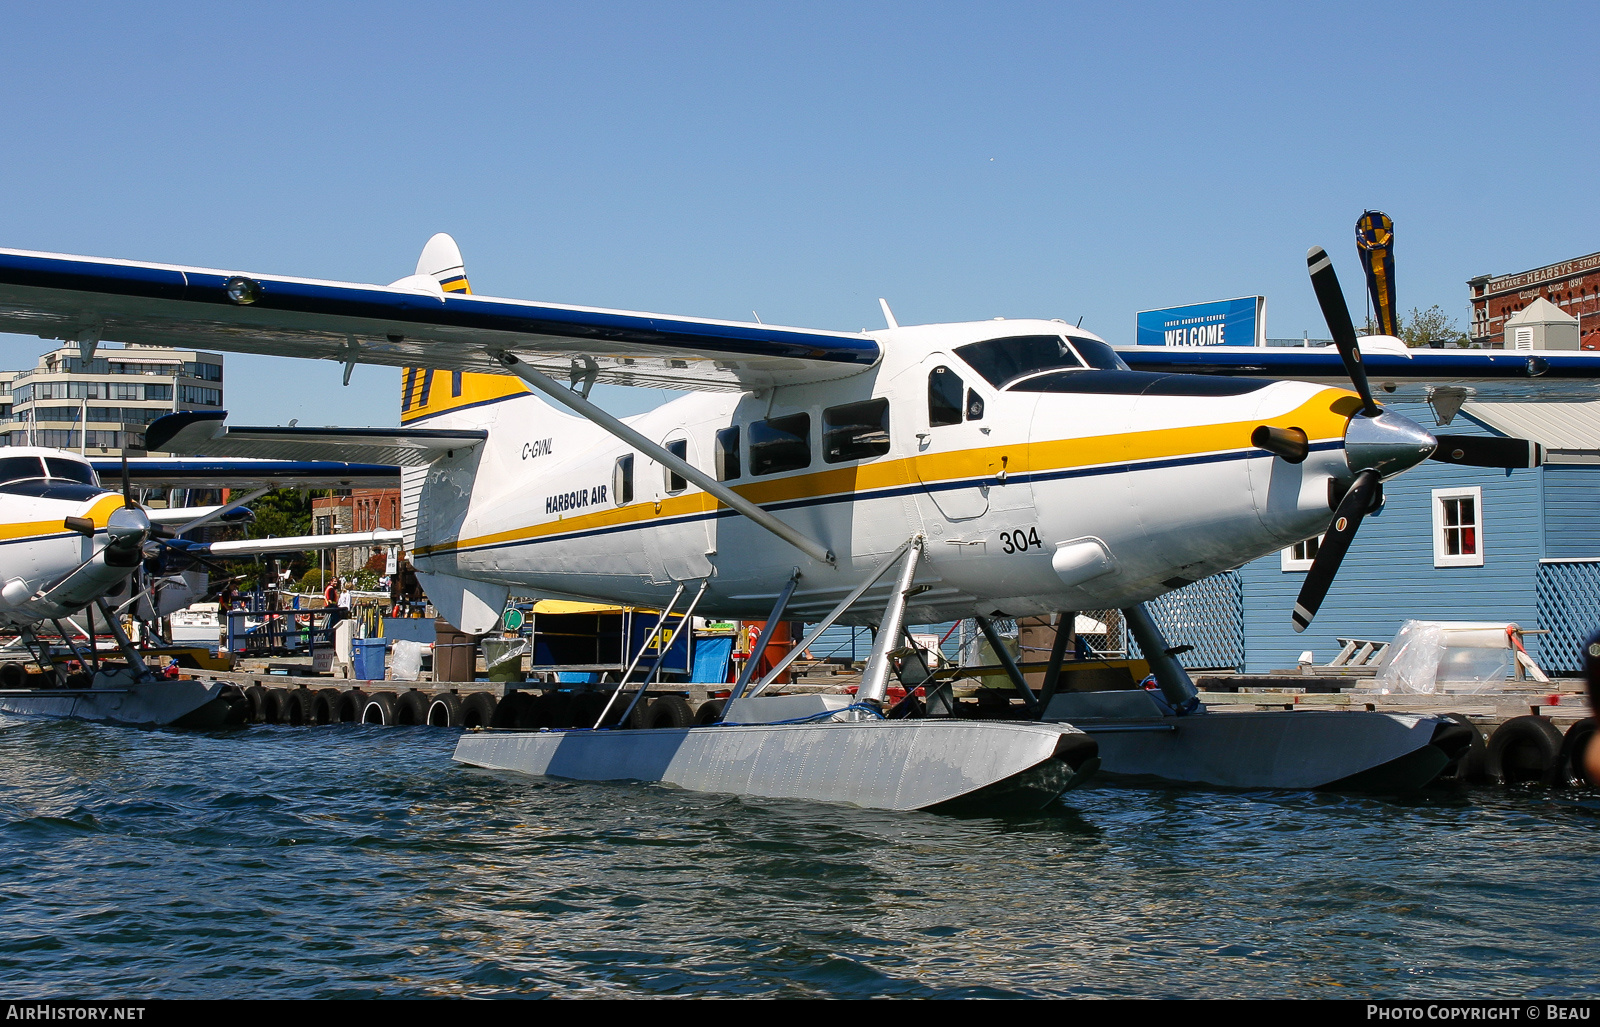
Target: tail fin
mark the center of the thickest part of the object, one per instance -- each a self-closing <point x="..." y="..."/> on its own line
<point x="425" y="392"/>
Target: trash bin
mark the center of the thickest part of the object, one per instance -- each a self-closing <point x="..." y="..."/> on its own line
<point x="368" y="656"/>
<point x="455" y="653"/>
<point x="502" y="658"/>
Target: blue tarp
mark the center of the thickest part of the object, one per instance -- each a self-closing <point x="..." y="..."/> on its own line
<point x="711" y="657"/>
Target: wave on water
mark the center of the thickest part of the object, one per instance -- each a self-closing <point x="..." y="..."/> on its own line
<point x="358" y="861"/>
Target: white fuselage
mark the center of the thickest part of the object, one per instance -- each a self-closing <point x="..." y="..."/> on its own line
<point x="1090" y="490"/>
<point x="47" y="569"/>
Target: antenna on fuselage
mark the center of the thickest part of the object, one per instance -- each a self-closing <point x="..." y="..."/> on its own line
<point x="888" y="315"/>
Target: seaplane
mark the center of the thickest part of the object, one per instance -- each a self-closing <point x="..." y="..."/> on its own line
<point x="915" y="473"/>
<point x="73" y="548"/>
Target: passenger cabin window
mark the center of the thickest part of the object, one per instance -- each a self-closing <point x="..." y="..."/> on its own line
<point x="676" y="482"/>
<point x="944" y="396"/>
<point x="1003" y="361"/>
<point x="855" y="431"/>
<point x="728" y="453"/>
<point x="622" y="480"/>
<point x="780" y="444"/>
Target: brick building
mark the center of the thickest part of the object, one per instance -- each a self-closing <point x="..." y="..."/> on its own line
<point x="1571" y="285"/>
<point x="349" y="510"/>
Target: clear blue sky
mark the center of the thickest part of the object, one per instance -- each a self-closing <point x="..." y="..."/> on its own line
<point x="800" y="160"/>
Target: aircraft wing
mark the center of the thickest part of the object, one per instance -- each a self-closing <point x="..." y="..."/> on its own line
<point x="412" y="323"/>
<point x="206" y="433"/>
<point x="1416" y="375"/>
<point x="207" y="473"/>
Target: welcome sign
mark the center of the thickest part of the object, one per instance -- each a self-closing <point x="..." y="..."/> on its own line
<point x="1236" y="322"/>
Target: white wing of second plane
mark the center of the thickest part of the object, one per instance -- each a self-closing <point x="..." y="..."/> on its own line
<point x="413" y="322"/>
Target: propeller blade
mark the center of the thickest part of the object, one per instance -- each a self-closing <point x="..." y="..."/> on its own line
<point x="1487" y="451"/>
<point x="1352" y="508"/>
<point x="127" y="486"/>
<point x="1331" y="299"/>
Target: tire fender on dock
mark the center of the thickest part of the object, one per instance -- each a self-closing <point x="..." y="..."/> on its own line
<point x="1469" y="767"/>
<point x="669" y="711"/>
<point x="325" y="706"/>
<point x="276" y="708"/>
<point x="352" y="704"/>
<point x="379" y="709"/>
<point x="1523" y="749"/>
<point x="445" y="710"/>
<point x="478" y="710"/>
<point x="411" y="708"/>
<point x="1569" y="770"/>
<point x="256" y="696"/>
<point x="298" y="707"/>
<point x="709" y="712"/>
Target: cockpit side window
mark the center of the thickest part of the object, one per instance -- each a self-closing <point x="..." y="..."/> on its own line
<point x="944" y="396"/>
<point x="20" y="468"/>
<point x="1097" y="353"/>
<point x="1003" y="361"/>
<point x="974" y="405"/>
<point x="70" y="470"/>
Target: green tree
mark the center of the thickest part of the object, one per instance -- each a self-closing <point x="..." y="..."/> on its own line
<point x="1421" y="327"/>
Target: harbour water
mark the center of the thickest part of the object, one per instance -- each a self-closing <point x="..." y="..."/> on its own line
<point x="360" y="862"/>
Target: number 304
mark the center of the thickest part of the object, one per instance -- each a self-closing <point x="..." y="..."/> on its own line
<point x="1020" y="541"/>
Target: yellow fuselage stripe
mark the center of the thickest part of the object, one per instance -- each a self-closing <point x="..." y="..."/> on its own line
<point x="1321" y="418"/>
<point x="39" y="529"/>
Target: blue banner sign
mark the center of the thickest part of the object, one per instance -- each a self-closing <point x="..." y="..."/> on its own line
<point x="1235" y="322"/>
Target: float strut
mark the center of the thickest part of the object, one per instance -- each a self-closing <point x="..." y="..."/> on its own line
<point x="683" y="622"/>
<point x="655" y="451"/>
<point x="135" y="662"/>
<point x="827" y="622"/>
<point x="654" y="633"/>
<point x="875" y="679"/>
<point x="1179" y="691"/>
<point x="760" y="648"/>
<point x="1058" y="652"/>
<point x="1012" y="671"/>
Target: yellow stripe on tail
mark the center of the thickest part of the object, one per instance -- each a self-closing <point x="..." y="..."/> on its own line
<point x="425" y="392"/>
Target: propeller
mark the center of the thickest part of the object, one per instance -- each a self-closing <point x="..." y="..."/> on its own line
<point x="1378" y="444"/>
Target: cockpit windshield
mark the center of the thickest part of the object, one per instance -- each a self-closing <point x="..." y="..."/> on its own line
<point x="31" y="468"/>
<point x="20" y="468"/>
<point x="1004" y="361"/>
<point x="71" y="470"/>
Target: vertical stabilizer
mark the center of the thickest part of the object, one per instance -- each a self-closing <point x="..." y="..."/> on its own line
<point x="424" y="391"/>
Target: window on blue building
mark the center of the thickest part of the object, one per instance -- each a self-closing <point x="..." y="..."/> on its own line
<point x="1458" y="527"/>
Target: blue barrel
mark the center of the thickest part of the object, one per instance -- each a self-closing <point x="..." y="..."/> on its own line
<point x="368" y="654"/>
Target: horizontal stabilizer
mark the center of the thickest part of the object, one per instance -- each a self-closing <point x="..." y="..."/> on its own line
<point x="185" y="514"/>
<point x="213" y="473"/>
<point x="206" y="433"/>
<point x="294" y="544"/>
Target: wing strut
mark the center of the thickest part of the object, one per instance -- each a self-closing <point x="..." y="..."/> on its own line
<point x="583" y="408"/>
